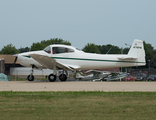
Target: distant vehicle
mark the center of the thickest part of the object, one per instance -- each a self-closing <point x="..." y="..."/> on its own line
<point x="116" y="77"/>
<point x="128" y="78"/>
<point x="140" y="77"/>
<point x="151" y="78"/>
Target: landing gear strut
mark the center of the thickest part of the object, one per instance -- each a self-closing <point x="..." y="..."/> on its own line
<point x="31" y="77"/>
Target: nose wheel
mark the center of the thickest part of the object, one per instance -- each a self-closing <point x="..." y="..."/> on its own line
<point x="30" y="77"/>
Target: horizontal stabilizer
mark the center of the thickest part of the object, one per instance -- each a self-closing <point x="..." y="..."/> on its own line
<point x="127" y="58"/>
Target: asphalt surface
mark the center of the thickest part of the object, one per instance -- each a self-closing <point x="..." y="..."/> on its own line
<point x="76" y="86"/>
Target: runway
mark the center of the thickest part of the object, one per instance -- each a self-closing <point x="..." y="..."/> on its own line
<point x="76" y="86"/>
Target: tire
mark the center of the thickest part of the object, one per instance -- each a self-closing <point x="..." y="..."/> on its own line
<point x="30" y="77"/>
<point x="63" y="77"/>
<point x="52" y="78"/>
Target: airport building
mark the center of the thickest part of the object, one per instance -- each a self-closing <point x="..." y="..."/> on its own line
<point x="6" y="62"/>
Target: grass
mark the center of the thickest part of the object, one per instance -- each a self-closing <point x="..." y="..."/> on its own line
<point x="78" y="105"/>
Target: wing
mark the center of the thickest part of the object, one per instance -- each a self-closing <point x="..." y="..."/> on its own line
<point x="114" y="73"/>
<point x="93" y="72"/>
<point x="48" y="62"/>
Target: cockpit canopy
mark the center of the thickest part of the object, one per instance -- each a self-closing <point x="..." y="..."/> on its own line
<point x="57" y="49"/>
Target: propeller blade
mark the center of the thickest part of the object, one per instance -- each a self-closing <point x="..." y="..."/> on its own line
<point x="16" y="56"/>
<point x="15" y="60"/>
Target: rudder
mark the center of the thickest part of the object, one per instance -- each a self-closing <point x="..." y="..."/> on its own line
<point x="137" y="51"/>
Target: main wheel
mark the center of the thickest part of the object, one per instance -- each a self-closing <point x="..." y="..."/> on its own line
<point x="52" y="78"/>
<point x="30" y="77"/>
<point x="63" y="77"/>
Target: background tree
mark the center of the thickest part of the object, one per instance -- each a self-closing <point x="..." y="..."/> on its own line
<point x="9" y="49"/>
<point x="153" y="62"/>
<point x="115" y="50"/>
<point x="110" y="49"/>
<point x="149" y="53"/>
<point x="91" y="48"/>
<point x="37" y="46"/>
<point x="104" y="48"/>
<point x="125" y="50"/>
<point x="21" y="50"/>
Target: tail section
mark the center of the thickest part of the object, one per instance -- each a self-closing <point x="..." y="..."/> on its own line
<point x="137" y="51"/>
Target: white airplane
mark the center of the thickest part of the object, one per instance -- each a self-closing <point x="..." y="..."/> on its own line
<point x="63" y="57"/>
<point x="116" y="76"/>
<point x="93" y="74"/>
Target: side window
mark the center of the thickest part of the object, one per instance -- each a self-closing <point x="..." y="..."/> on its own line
<point x="70" y="50"/>
<point x="48" y="49"/>
<point x="57" y="50"/>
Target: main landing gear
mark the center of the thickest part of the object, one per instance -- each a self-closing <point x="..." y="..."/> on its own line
<point x="62" y="77"/>
<point x="51" y="77"/>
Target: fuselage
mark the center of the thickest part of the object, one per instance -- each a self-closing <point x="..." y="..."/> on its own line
<point x="77" y="58"/>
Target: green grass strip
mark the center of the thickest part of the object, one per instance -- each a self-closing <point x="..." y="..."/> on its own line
<point x="78" y="105"/>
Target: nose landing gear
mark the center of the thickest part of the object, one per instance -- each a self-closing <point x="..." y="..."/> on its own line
<point x="31" y="77"/>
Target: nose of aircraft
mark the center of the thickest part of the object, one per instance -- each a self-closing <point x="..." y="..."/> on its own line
<point x="20" y="58"/>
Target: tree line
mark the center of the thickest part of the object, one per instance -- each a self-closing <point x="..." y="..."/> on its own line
<point x="90" y="48"/>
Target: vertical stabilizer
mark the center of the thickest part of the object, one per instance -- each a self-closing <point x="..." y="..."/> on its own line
<point x="137" y="51"/>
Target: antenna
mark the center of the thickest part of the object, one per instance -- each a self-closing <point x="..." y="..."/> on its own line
<point x="109" y="50"/>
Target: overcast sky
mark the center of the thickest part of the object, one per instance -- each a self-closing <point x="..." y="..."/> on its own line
<point x="102" y="22"/>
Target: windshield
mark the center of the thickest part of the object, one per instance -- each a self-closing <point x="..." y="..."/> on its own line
<point x="48" y="49"/>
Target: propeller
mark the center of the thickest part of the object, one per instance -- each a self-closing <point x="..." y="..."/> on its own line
<point x="16" y="56"/>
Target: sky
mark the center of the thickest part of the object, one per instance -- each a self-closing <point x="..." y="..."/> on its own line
<point x="116" y="22"/>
